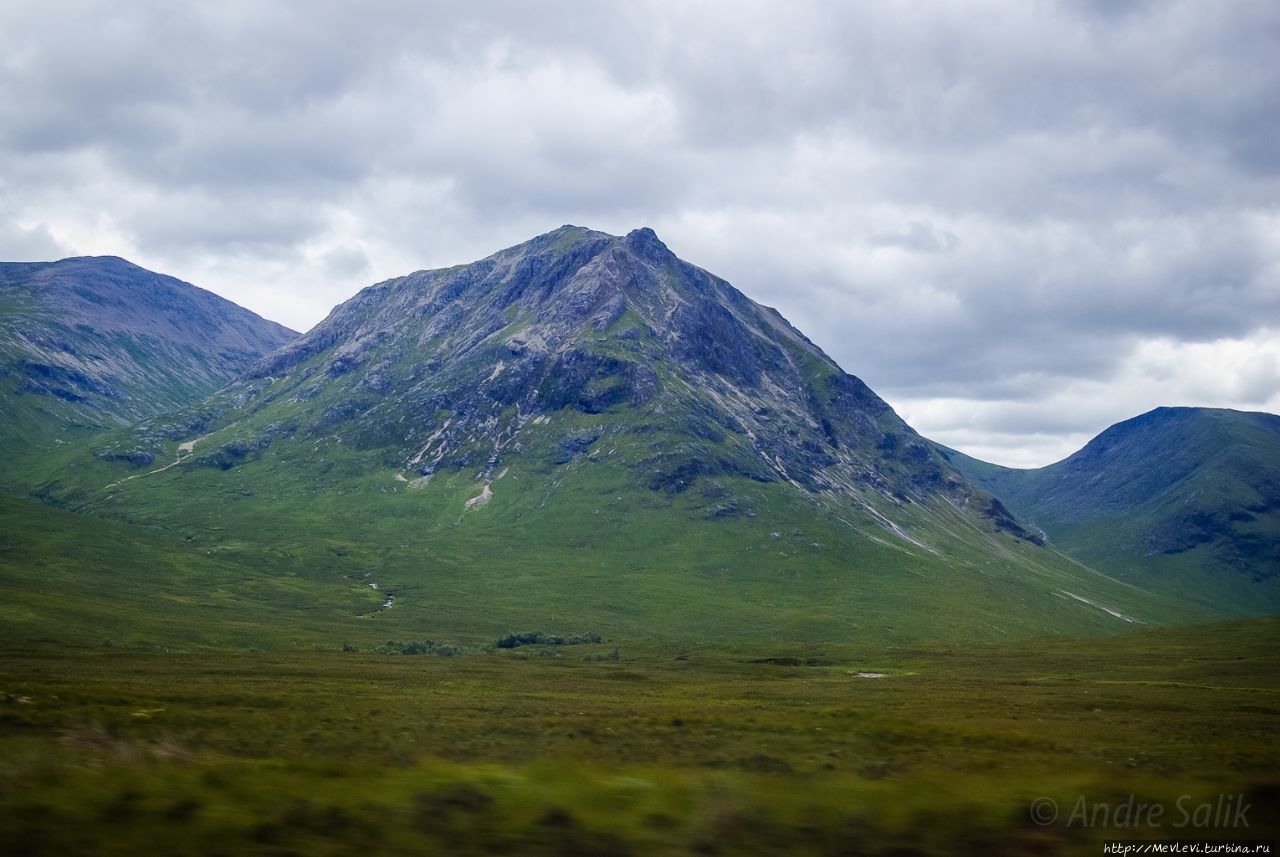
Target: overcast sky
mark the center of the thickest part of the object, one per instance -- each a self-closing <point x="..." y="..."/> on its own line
<point x="1019" y="222"/>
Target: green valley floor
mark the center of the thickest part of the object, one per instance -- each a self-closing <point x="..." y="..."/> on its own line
<point x="1015" y="748"/>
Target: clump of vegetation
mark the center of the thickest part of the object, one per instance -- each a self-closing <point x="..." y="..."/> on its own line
<point x="423" y="647"/>
<point x="538" y="638"/>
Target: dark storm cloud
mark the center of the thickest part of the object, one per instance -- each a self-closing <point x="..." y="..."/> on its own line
<point x="975" y="207"/>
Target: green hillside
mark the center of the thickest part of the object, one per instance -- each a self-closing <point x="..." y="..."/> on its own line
<point x="262" y="555"/>
<point x="1183" y="500"/>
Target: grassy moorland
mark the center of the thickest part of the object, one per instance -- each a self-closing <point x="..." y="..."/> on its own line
<point x="561" y="750"/>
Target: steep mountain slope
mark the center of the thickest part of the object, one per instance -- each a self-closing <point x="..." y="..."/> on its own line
<point x="1186" y="499"/>
<point x="585" y="433"/>
<point x="445" y="369"/>
<point x="96" y="341"/>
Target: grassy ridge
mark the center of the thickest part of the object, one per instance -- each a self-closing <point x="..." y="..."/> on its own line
<point x="1184" y="500"/>
<point x="109" y="751"/>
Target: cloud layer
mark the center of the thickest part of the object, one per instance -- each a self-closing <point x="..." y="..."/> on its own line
<point x="1019" y="222"/>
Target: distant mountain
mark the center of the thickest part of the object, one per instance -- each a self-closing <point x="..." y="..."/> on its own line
<point x="92" y="342"/>
<point x="584" y="433"/>
<point x="1184" y="499"/>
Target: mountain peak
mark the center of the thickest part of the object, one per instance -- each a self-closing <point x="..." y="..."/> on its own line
<point x="580" y="325"/>
<point x="556" y="241"/>
<point x="1171" y="427"/>
<point x="644" y="242"/>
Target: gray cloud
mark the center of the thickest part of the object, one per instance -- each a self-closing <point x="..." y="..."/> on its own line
<point x="999" y="215"/>
<point x="919" y="238"/>
<point x="20" y="243"/>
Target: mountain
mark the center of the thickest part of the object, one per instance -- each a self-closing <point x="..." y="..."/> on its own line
<point x="1183" y="499"/>
<point x="92" y="342"/>
<point x="583" y="434"/>
<point x="444" y="370"/>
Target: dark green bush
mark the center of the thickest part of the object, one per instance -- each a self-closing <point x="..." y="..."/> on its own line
<point x="538" y="638"/>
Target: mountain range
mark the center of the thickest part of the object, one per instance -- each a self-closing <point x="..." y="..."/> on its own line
<point x="584" y="434"/>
